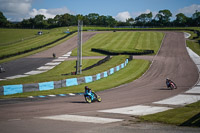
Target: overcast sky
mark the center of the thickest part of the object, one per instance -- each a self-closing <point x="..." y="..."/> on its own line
<point x="17" y="10"/>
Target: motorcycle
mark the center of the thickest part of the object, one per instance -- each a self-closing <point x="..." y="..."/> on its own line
<point x="172" y="85"/>
<point x="92" y="97"/>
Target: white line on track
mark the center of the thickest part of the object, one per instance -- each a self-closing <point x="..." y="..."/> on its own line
<point x="195" y="89"/>
<point x="16" y="76"/>
<point x="180" y="100"/>
<point x="45" y="67"/>
<point x="58" y="60"/>
<point x="71" y="94"/>
<point x="78" y="118"/>
<point x="137" y="110"/>
<point x="34" y="72"/>
<point x="52" y="63"/>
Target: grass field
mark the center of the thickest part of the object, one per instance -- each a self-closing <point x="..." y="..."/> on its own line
<point x="13" y="48"/>
<point x="14" y="35"/>
<point x="132" y="71"/>
<point x="122" y="40"/>
<point x="183" y="116"/>
<point x="67" y="67"/>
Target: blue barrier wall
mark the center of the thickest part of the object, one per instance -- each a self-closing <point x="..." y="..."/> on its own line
<point x="98" y="76"/>
<point x="46" y="86"/>
<point x="71" y="82"/>
<point x="13" y="89"/>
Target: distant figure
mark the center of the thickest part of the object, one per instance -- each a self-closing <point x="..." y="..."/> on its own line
<point x="54" y="55"/>
<point x="2" y="69"/>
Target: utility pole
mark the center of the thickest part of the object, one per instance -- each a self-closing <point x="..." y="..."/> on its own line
<point x="79" y="48"/>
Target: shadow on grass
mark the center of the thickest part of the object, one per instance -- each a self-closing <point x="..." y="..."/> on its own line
<point x="194" y="121"/>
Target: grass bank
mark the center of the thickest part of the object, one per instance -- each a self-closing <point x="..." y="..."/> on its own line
<point x="132" y="71"/>
<point x="24" y="47"/>
<point x="183" y="116"/>
<point x="122" y="40"/>
<point x="55" y="74"/>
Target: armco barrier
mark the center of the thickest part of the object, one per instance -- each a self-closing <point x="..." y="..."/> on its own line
<point x="21" y="88"/>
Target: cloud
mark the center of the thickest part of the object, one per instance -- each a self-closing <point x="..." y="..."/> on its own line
<point x="15" y="10"/>
<point x="49" y="13"/>
<point x="123" y="16"/>
<point x="15" y="7"/>
<point x="189" y="10"/>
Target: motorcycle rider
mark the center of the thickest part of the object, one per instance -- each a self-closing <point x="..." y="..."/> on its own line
<point x="88" y="91"/>
<point x="168" y="82"/>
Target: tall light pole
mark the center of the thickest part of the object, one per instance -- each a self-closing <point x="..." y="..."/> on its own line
<point x="79" y="48"/>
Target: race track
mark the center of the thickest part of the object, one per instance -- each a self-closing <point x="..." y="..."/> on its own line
<point x="172" y="61"/>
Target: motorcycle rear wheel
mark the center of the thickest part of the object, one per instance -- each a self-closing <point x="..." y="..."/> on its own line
<point x="173" y="86"/>
<point x="88" y="99"/>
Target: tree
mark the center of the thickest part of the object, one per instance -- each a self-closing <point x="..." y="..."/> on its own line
<point x="196" y="18"/>
<point x="163" y="17"/>
<point x="39" y="21"/>
<point x="144" y="19"/>
<point x="93" y="18"/>
<point x="3" y="20"/>
<point x="67" y="20"/>
<point x="110" y="21"/>
<point x="181" y="20"/>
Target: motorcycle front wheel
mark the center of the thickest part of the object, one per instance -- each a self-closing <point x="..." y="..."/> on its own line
<point x="98" y="98"/>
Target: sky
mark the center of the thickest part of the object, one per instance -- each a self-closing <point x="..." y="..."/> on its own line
<point x="17" y="10"/>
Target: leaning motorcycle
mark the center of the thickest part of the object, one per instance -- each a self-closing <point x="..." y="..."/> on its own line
<point x="172" y="85"/>
<point x="92" y="97"/>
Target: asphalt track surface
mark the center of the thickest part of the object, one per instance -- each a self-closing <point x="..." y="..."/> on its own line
<point x="172" y="61"/>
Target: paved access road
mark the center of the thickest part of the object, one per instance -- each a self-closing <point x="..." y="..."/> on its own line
<point x="53" y="114"/>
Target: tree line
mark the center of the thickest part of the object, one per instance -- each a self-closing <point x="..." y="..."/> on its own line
<point x="162" y="18"/>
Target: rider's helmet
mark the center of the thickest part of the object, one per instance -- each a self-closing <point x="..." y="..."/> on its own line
<point x="167" y="78"/>
<point x="86" y="87"/>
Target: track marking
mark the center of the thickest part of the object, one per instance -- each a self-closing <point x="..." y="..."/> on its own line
<point x="71" y="94"/>
<point x="52" y="95"/>
<point x="62" y="95"/>
<point x="138" y="110"/>
<point x="195" y="89"/>
<point x="16" y="76"/>
<point x="34" y="72"/>
<point x="78" y="118"/>
<point x="58" y="60"/>
<point x="52" y="63"/>
<point x="45" y="67"/>
<point x="180" y="100"/>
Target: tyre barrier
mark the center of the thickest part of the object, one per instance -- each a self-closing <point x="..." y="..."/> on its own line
<point x="21" y="88"/>
<point x="107" y="52"/>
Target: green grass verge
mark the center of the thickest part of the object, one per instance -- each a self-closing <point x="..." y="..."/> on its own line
<point x="8" y="36"/>
<point x="32" y="43"/>
<point x="183" y="116"/>
<point x="194" y="46"/>
<point x="132" y="71"/>
<point x="122" y="40"/>
<point x="67" y="67"/>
